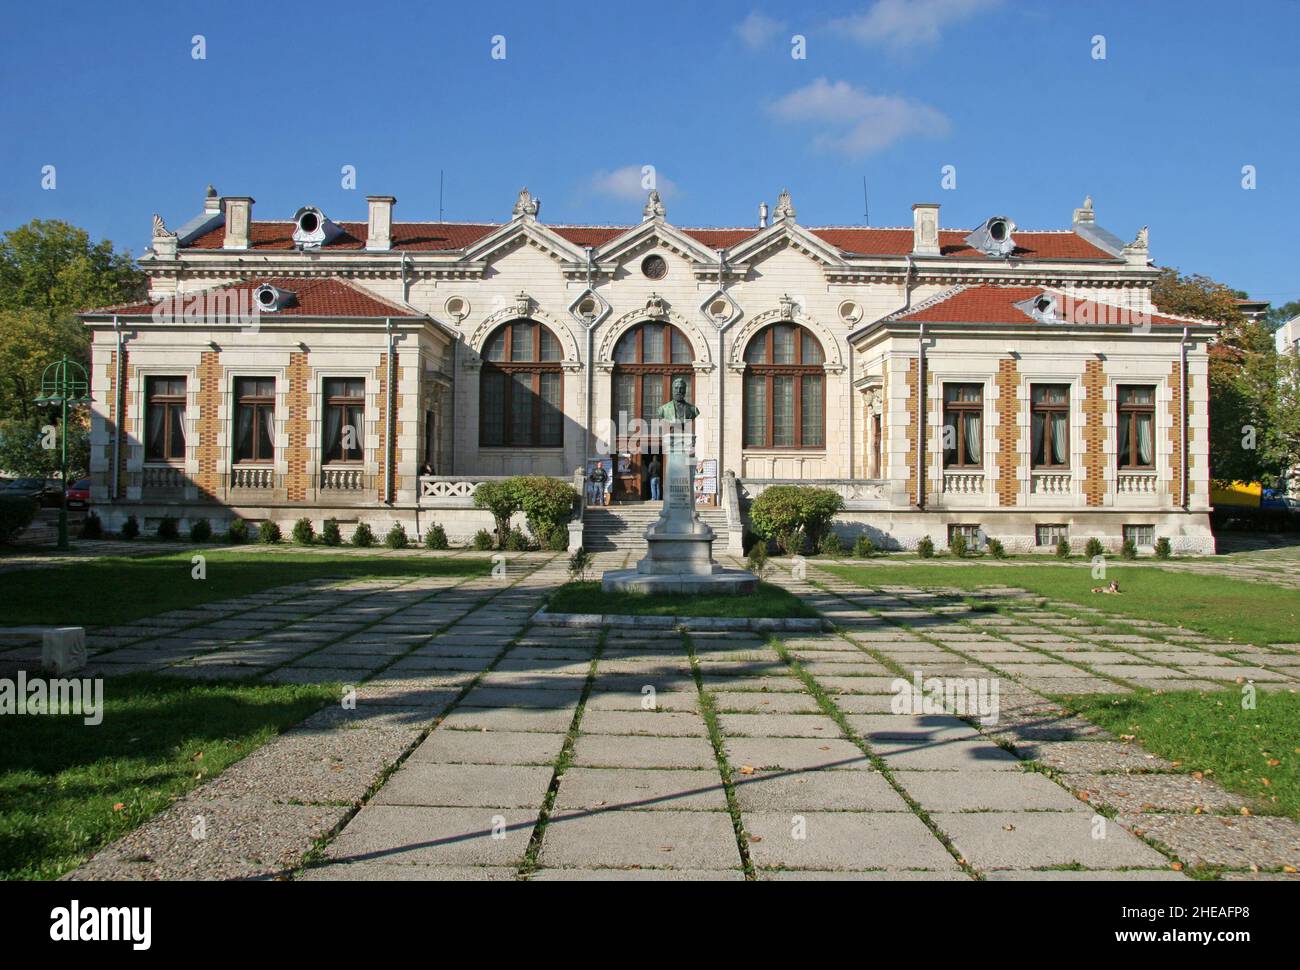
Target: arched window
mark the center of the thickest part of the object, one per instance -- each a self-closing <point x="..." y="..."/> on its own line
<point x="521" y="388"/>
<point x="647" y="359"/>
<point x="785" y="389"/>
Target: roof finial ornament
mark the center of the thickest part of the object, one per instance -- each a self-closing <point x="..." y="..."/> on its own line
<point x="784" y="207"/>
<point x="1142" y="242"/>
<point x="526" y="205"/>
<point x="1087" y="202"/>
<point x="654" y="207"/>
<point x="160" y="228"/>
<point x="212" y="191"/>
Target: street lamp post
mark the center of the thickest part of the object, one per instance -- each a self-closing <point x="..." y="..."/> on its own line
<point x="64" y="383"/>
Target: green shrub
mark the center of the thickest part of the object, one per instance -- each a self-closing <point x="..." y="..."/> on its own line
<point x="1063" y="548"/>
<point x="792" y="541"/>
<point x="501" y="498"/>
<point x="996" y="549"/>
<point x="756" y="562"/>
<point x="396" y="538"/>
<point x="559" y="540"/>
<point x="363" y="536"/>
<point x="268" y="533"/>
<point x="91" y="527"/>
<point x="435" y="537"/>
<point x="579" y="563"/>
<point x="200" y="530"/>
<point x="863" y="547"/>
<point x="925" y="548"/>
<point x="1129" y="549"/>
<point x="516" y="541"/>
<point x="329" y="533"/>
<point x="782" y="509"/>
<point x="130" y="528"/>
<point x="16" y="513"/>
<point x="1094" y="548"/>
<point x="831" y="545"/>
<point x="303" y="532"/>
<point x="548" y="504"/>
<point x="1163" y="549"/>
<point x="167" y="528"/>
<point x="483" y="540"/>
<point x="237" y="532"/>
<point x="958" y="545"/>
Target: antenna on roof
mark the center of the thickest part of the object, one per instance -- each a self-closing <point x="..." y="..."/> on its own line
<point x="440" y="195"/>
<point x="866" y="209"/>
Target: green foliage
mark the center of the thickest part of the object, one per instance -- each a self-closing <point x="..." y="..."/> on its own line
<point x="501" y="499"/>
<point x="792" y="541"/>
<point x="200" y="530"/>
<point x="547" y="503"/>
<point x="925" y="548"/>
<point x="1163" y="549"/>
<point x="168" y="528"/>
<point x="483" y="540"/>
<point x="23" y="440"/>
<point x="1063" y="548"/>
<point x="329" y="533"/>
<point x="756" y="562"/>
<point x="516" y="541"/>
<point x="363" y="536"/>
<point x="782" y="509"/>
<point x="130" y="528"/>
<point x="830" y="545"/>
<point x="269" y="533"/>
<point x="92" y="527"/>
<point x="237" y="532"/>
<point x="304" y="534"/>
<point x="16" y="513"/>
<point x="435" y="537"/>
<point x="1094" y="548"/>
<point x="396" y="538"/>
<point x="863" y="547"/>
<point x="579" y="563"/>
<point x="958" y="545"/>
<point x="1129" y="549"/>
<point x="559" y="540"/>
<point x="996" y="549"/>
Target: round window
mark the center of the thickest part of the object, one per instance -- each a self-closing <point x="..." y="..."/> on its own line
<point x="654" y="267"/>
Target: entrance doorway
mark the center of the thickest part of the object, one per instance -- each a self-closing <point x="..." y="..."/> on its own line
<point x="647" y="359"/>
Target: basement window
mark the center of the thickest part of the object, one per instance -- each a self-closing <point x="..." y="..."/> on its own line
<point x="1050" y="535"/>
<point x="1140" y="535"/>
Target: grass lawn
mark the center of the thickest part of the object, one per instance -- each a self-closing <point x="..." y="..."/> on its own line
<point x="1253" y="753"/>
<point x="768" y="601"/>
<point x="1227" y="609"/>
<point x="68" y="788"/>
<point x="121" y="589"/>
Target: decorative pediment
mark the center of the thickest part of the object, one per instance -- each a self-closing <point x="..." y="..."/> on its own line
<point x="782" y="234"/>
<point x="657" y="235"/>
<point x="830" y="345"/>
<point x="522" y="232"/>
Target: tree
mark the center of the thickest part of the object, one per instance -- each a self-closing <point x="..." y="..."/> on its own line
<point x="1278" y="315"/>
<point x="32" y="447"/>
<point x="28" y="342"/>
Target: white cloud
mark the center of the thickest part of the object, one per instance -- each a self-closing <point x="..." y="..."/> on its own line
<point x="758" y="29"/>
<point x="631" y="183"/>
<point x="854" y="121"/>
<point x="908" y="23"/>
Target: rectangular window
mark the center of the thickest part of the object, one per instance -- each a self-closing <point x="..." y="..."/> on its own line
<point x="963" y="426"/>
<point x="1140" y="535"/>
<point x="1136" y="426"/>
<point x="493" y="418"/>
<point x="810" y="407"/>
<point x="164" y="418"/>
<point x="755" y="411"/>
<point x="652" y="349"/>
<point x="624" y="399"/>
<point x="970" y="532"/>
<point x="521" y="408"/>
<point x="255" y="419"/>
<point x="1049" y="425"/>
<point x="1050" y="535"/>
<point x="782" y="412"/>
<point x="551" y="431"/>
<point x="652" y="395"/>
<point x="343" y="424"/>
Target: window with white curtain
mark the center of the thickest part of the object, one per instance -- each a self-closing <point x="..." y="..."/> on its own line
<point x="1049" y="425"/>
<point x="963" y="422"/>
<point x="255" y="420"/>
<point x="1136" y="426"/>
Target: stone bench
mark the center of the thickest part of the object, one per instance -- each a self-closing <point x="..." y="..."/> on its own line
<point x="63" y="648"/>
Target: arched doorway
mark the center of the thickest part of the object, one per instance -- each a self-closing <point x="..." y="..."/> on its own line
<point x="646" y="361"/>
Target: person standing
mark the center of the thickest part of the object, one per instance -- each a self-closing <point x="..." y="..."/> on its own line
<point x="656" y="479"/>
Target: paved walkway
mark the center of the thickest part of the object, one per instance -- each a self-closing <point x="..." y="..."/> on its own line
<point x="483" y="747"/>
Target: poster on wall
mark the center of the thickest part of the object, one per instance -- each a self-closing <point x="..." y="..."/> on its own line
<point x="706" y="481"/>
<point x="600" y="480"/>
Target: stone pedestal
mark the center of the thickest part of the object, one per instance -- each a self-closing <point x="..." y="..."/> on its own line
<point x="679" y="546"/>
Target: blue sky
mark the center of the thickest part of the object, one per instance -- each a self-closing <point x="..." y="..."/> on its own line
<point x="1007" y="92"/>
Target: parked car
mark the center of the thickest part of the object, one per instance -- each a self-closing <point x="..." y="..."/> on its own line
<point x="78" y="494"/>
<point x="47" y="491"/>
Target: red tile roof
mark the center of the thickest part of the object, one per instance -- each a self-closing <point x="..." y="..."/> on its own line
<point x="997" y="304"/>
<point x="861" y="241"/>
<point x="316" y="297"/>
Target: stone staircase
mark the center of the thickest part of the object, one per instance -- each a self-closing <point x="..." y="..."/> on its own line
<point x="622" y="527"/>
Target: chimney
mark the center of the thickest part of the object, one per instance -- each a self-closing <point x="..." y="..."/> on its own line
<point x="762" y="215"/>
<point x="379" y="232"/>
<point x="211" y="202"/>
<point x="239" y="215"/>
<point x="925" y="229"/>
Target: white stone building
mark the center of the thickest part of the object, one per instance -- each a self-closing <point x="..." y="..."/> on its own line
<point x="377" y="370"/>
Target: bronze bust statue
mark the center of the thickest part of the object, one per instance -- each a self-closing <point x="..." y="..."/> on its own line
<point x="678" y="409"/>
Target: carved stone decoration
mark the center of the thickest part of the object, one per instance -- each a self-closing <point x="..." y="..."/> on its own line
<point x="655" y="307"/>
<point x="526" y="205"/>
<point x="1141" y="243"/>
<point x="788" y="307"/>
<point x="784" y="207"/>
<point x="523" y="305"/>
<point x="654" y="207"/>
<point x="160" y="228"/>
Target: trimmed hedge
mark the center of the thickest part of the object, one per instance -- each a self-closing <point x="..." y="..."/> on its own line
<point x="783" y="510"/>
<point x="16" y="514"/>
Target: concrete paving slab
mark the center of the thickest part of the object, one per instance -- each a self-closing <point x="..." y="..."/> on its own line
<point x="494" y="786"/>
<point x="438" y="836"/>
<point x="1027" y="840"/>
<point x="844" y="840"/>
<point x="605" y="789"/>
<point x="676" y="840"/>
